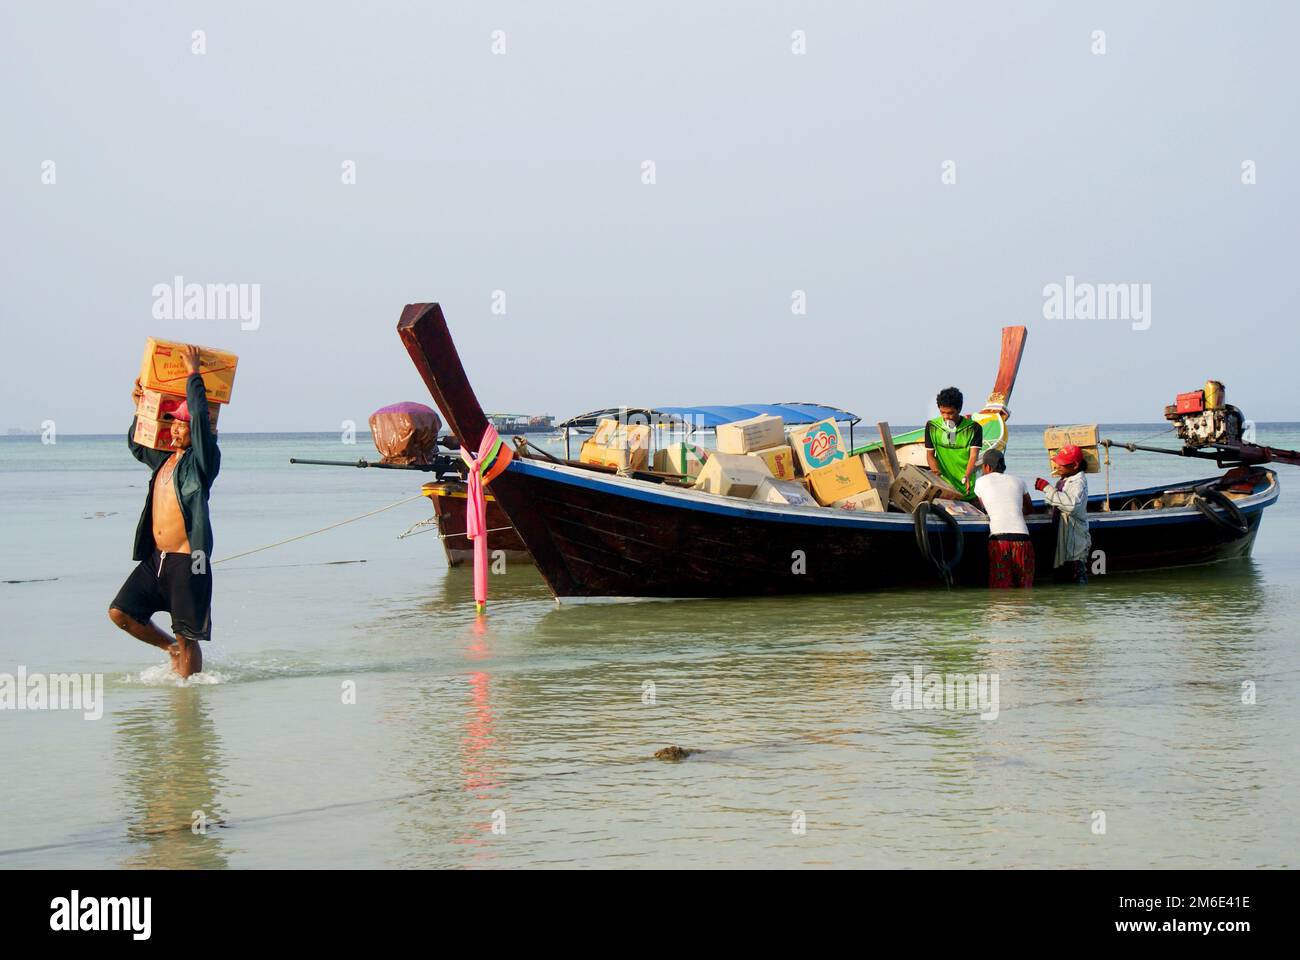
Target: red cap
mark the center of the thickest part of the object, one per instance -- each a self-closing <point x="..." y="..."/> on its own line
<point x="183" y="412"/>
<point x="1068" y="456"/>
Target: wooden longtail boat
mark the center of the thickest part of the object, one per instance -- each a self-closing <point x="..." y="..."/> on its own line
<point x="596" y="534"/>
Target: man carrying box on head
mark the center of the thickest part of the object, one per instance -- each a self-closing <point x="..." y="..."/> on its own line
<point x="1069" y="496"/>
<point x="173" y="541"/>
<point x="952" y="443"/>
<point x="1006" y="500"/>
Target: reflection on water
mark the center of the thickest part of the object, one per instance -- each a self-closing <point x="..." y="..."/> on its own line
<point x="170" y="771"/>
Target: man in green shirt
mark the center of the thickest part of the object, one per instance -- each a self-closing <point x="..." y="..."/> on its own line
<point x="952" y="443"/>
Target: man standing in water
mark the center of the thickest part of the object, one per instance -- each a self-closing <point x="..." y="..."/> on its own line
<point x="1005" y="499"/>
<point x="1069" y="496"/>
<point x="173" y="541"/>
<point x="952" y="443"/>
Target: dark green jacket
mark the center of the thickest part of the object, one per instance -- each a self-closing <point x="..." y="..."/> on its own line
<point x="193" y="478"/>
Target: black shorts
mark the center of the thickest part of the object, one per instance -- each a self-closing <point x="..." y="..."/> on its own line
<point x="167" y="582"/>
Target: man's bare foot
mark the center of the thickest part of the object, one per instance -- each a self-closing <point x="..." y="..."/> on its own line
<point x="188" y="659"/>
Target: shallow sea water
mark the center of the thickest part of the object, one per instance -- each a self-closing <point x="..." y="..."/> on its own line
<point x="527" y="738"/>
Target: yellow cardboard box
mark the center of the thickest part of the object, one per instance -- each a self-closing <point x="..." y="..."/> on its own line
<point x="604" y="432"/>
<point x="1079" y="434"/>
<point x="839" y="480"/>
<point x="628" y="448"/>
<point x="746" y="436"/>
<point x="163" y="369"/>
<point x="732" y="475"/>
<point x="1091" y="461"/>
<point x="780" y="460"/>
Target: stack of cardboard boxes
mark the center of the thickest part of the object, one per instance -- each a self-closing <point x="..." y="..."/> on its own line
<point x="162" y="379"/>
<point x="757" y="459"/>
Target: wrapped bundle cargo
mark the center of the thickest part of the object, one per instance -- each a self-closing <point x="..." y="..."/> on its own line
<point x="163" y="369"/>
<point x="732" y="475"/>
<point x="405" y="433"/>
<point x="818" y="446"/>
<point x="747" y="436"/>
<point x="684" y="459"/>
<point x="959" y="508"/>
<point x="838" y="481"/>
<point x="780" y="460"/>
<point x="783" y="491"/>
<point x="155" y="405"/>
<point x="915" y="485"/>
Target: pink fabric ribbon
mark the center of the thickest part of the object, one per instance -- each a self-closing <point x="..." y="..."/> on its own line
<point x="476" y="514"/>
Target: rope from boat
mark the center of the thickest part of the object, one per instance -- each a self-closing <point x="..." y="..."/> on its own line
<point x="304" y="536"/>
<point x="448" y="536"/>
<point x="920" y="521"/>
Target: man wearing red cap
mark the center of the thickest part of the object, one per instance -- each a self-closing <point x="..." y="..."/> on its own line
<point x="173" y="541"/>
<point x="1069" y="496"/>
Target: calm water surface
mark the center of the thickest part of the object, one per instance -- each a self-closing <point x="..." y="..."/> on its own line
<point x="1124" y="699"/>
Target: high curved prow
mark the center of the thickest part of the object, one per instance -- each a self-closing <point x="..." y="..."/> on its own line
<point x="423" y="329"/>
<point x="1013" y="348"/>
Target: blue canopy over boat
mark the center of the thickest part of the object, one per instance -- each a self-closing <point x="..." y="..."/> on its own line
<point x="706" y="417"/>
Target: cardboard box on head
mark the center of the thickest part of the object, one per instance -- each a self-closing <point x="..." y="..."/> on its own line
<point x="1079" y="434"/>
<point x="163" y="369"/>
<point x="155" y="405"/>
<point x="1091" y="461"/>
<point x="156" y="434"/>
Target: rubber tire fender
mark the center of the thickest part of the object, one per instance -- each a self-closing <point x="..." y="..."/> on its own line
<point x="1235" y="523"/>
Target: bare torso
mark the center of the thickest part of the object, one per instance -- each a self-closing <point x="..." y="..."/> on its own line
<point x="169" y="534"/>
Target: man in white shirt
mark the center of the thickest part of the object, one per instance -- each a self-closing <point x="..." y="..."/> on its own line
<point x="1006" y="500"/>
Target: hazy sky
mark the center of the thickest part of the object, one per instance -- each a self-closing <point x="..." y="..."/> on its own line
<point x="774" y="172"/>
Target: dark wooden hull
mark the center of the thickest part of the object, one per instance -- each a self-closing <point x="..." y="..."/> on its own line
<point x="449" y="503"/>
<point x="596" y="536"/>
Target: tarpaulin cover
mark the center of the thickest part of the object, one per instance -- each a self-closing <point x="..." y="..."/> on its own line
<point x="405" y="432"/>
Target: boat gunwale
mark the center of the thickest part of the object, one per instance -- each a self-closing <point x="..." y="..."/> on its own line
<point x="823" y="516"/>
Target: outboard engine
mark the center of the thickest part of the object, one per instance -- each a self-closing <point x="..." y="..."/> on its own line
<point x="1202" y="418"/>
